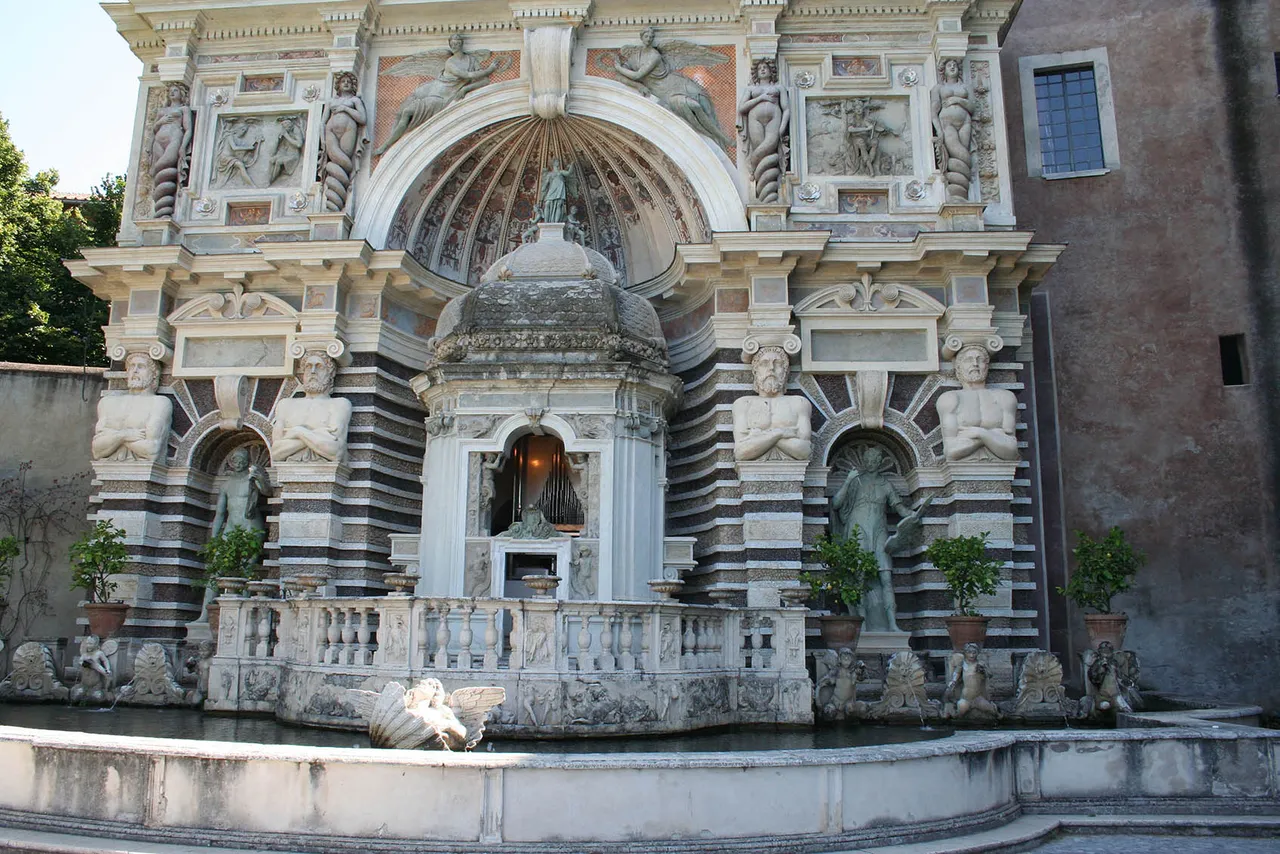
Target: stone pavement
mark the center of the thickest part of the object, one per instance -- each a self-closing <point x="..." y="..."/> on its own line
<point x="1145" y="844"/>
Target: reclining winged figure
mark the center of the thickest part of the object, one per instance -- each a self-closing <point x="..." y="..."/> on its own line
<point x="425" y="716"/>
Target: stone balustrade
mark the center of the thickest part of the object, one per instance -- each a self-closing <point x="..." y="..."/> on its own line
<point x="293" y="656"/>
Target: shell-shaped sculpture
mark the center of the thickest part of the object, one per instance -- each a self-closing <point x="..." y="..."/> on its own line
<point x="425" y="716"/>
<point x="33" y="675"/>
<point x="904" y="693"/>
<point x="153" y="681"/>
<point x="1040" y="681"/>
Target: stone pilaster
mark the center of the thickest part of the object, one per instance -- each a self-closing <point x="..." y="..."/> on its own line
<point x="772" y="526"/>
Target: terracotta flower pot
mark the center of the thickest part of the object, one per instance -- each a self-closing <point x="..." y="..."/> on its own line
<point x="840" y="631"/>
<point x="105" y="618"/>
<point x="1106" y="627"/>
<point x="965" y="629"/>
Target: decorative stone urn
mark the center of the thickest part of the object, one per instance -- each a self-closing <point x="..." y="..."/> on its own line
<point x="105" y="618"/>
<point x="402" y="583"/>
<point x="666" y="587"/>
<point x="542" y="585"/>
<point x="230" y="585"/>
<point x="965" y="629"/>
<point x="263" y="589"/>
<point x="840" y="631"/>
<point x="312" y="581"/>
<point x="1106" y="627"/>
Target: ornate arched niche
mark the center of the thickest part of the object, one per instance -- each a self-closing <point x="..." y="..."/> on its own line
<point x="476" y="201"/>
<point x="846" y="449"/>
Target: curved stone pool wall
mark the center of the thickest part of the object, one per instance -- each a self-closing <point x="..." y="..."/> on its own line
<point x="330" y="799"/>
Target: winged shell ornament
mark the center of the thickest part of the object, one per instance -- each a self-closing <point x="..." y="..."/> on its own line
<point x="653" y="69"/>
<point x="425" y="717"/>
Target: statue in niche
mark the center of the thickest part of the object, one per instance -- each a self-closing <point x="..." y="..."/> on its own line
<point x="95" y="672"/>
<point x="425" y="716"/>
<point x="582" y="573"/>
<point x="977" y="422"/>
<point x="134" y="426"/>
<point x="966" y="691"/>
<point x="314" y="427"/>
<point x="239" y="500"/>
<point x="171" y="135"/>
<point x="860" y="508"/>
<point x="475" y="575"/>
<point x="490" y="465"/>
<point x="953" y="129"/>
<point x="552" y="193"/>
<point x="287" y="152"/>
<point x="653" y="69"/>
<point x="456" y="74"/>
<point x="769" y="425"/>
<point x="344" y="120"/>
<point x="240" y="141"/>
<point x="532" y="526"/>
<point x="764" y="122"/>
<point x="836" y="692"/>
<point x="1110" y="682"/>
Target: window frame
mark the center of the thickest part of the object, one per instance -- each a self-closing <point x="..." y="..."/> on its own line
<point x="1095" y="58"/>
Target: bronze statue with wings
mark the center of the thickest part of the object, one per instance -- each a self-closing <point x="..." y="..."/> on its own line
<point x="425" y="716"/>
<point x="454" y="74"/>
<point x="653" y="69"/>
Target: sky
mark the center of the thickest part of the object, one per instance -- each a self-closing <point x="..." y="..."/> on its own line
<point x="72" y="91"/>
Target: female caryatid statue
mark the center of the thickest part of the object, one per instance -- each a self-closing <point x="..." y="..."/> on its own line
<point x="456" y="72"/>
<point x="654" y="70"/>
<point x="170" y="149"/>
<point x="344" y="121"/>
<point x="953" y="130"/>
<point x="764" y="117"/>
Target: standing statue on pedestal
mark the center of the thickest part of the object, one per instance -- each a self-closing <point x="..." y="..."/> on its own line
<point x="344" y="121"/>
<point x="769" y="425"/>
<point x="314" y="427"/>
<point x="134" y="426"/>
<point x="764" y="120"/>
<point x="552" y="194"/>
<point x="171" y="134"/>
<point x="977" y="422"/>
<point x="456" y="74"/>
<point x="953" y="130"/>
<point x="239" y="500"/>
<point x="860" y="507"/>
<point x="654" y="70"/>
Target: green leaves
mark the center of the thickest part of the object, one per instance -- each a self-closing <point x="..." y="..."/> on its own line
<point x="233" y="553"/>
<point x="46" y="316"/>
<point x="964" y="564"/>
<point x="8" y="551"/>
<point x="95" y="556"/>
<point x="851" y="569"/>
<point x="1104" y="568"/>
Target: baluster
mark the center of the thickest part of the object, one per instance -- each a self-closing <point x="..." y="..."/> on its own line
<point x="442" y="637"/>
<point x="515" y="641"/>
<point x="424" y="616"/>
<point x="757" y="643"/>
<point x="607" y="661"/>
<point x="250" y="617"/>
<point x="646" y="629"/>
<point x="626" y="661"/>
<point x="701" y="640"/>
<point x="264" y="631"/>
<point x="363" y="635"/>
<point x="715" y="655"/>
<point x="322" y="635"/>
<point x="348" y="653"/>
<point x="491" y="638"/>
<point x="465" y="637"/>
<point x="585" y="662"/>
<point x="688" y="641"/>
<point x="286" y="630"/>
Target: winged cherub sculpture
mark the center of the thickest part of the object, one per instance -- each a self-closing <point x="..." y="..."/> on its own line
<point x="455" y="73"/>
<point x="425" y="716"/>
<point x="653" y="69"/>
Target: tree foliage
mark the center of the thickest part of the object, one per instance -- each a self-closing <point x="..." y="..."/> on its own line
<point x="851" y="569"/>
<point x="46" y="316"/>
<point x="1104" y="568"/>
<point x="233" y="553"/>
<point x="96" y="557"/>
<point x="964" y="564"/>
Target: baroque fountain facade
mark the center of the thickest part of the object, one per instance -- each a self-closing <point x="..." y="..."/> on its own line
<point x="451" y="301"/>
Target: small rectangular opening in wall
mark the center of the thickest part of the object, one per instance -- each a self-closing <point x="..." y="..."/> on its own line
<point x="1235" y="360"/>
<point x="1278" y="75"/>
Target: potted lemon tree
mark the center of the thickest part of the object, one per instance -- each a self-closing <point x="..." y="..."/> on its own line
<point x="96" y="557"/>
<point x="850" y="570"/>
<point x="1104" y="569"/>
<point x="969" y="573"/>
<point x="231" y="558"/>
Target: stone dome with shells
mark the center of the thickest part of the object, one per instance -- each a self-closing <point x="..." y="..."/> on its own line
<point x="550" y="300"/>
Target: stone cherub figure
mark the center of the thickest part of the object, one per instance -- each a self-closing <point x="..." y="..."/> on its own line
<point x="196" y="669"/>
<point x="860" y="508"/>
<point x="966" y="691"/>
<point x="134" y="426"/>
<point x="654" y="70"/>
<point x="977" y="422"/>
<point x="1110" y="682"/>
<point x="768" y="424"/>
<point x="425" y="716"/>
<point x="313" y="427"/>
<point x="344" y="121"/>
<point x="96" y="677"/>
<point x="455" y="73"/>
<point x="836" y="692"/>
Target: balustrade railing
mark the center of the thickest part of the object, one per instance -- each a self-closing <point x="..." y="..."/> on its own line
<point x="403" y="633"/>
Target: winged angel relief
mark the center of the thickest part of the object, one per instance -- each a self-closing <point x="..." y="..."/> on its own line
<point x="652" y="68"/>
<point x="425" y="716"/>
<point x="455" y="73"/>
